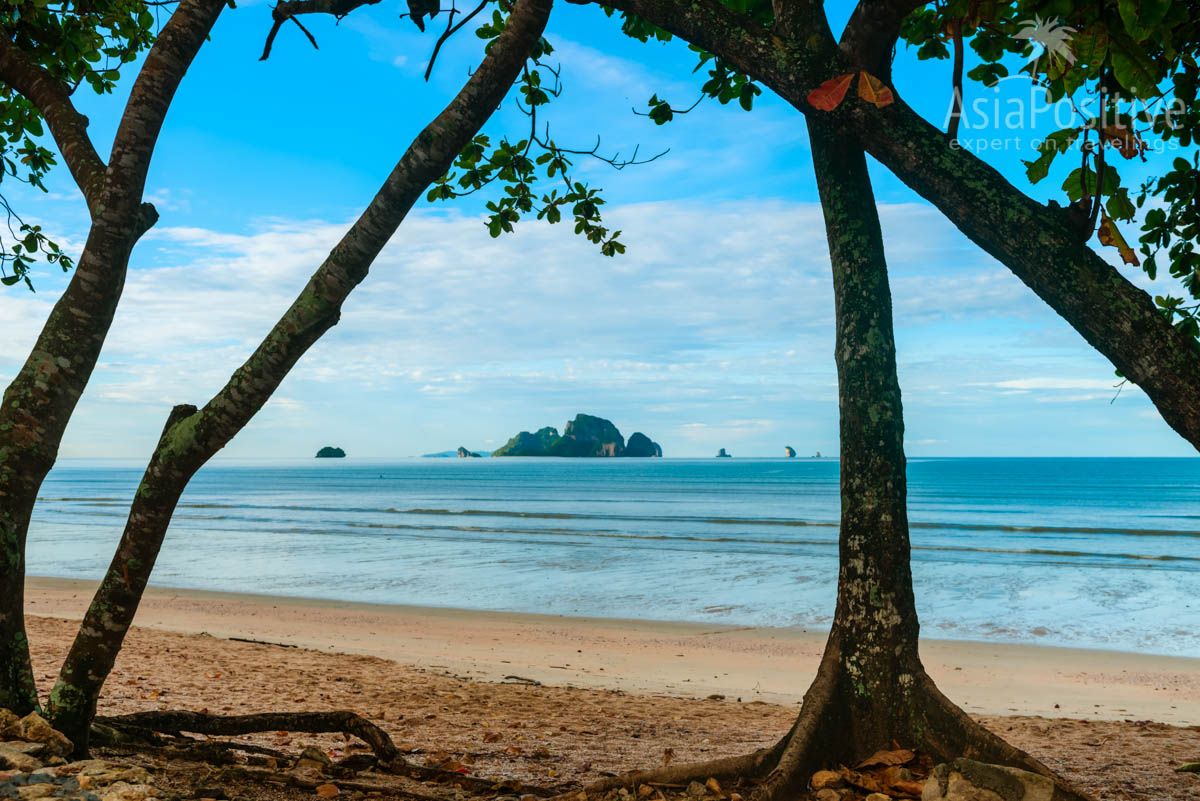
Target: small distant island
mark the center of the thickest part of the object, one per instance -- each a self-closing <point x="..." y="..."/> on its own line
<point x="789" y="451"/>
<point x="723" y="454"/>
<point x="585" y="436"/>
<point x="463" y="453"/>
<point x="330" y="452"/>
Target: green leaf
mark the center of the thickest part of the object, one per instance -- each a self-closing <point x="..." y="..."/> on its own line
<point x="1049" y="148"/>
<point x="1134" y="69"/>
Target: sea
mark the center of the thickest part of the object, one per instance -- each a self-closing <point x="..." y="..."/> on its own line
<point x="1092" y="553"/>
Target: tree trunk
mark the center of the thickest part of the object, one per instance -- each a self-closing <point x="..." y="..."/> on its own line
<point x="39" y="402"/>
<point x="871" y="689"/>
<point x="191" y="437"/>
<point x="36" y="408"/>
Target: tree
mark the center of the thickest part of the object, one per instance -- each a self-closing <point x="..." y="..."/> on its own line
<point x="48" y="50"/>
<point x="871" y="689"/>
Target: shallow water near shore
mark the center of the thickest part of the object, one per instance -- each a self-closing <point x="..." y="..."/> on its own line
<point x="1098" y="553"/>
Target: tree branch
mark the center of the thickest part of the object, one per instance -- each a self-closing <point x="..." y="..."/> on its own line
<point x="290" y="9"/>
<point x="150" y="98"/>
<point x="68" y="127"/>
<point x="869" y="38"/>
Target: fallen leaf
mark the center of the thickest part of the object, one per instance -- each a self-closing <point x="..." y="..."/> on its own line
<point x="908" y="788"/>
<point x="328" y="790"/>
<point x="830" y="94"/>
<point x="874" y="91"/>
<point x="1110" y="235"/>
<point x="491" y="736"/>
<point x="714" y="786"/>
<point x="879" y="759"/>
<point x="863" y="781"/>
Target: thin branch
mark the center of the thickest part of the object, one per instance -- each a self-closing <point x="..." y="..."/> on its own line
<point x="450" y="31"/>
<point x="674" y="111"/>
<point x="956" y="80"/>
<point x="615" y="161"/>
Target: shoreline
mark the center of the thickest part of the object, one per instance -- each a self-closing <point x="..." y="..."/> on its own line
<point x="681" y="659"/>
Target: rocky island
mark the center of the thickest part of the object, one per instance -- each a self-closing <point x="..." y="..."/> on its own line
<point x="585" y="436"/>
<point x="330" y="452"/>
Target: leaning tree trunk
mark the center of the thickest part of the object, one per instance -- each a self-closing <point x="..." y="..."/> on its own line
<point x="871" y="689"/>
<point x="39" y="402"/>
<point x="191" y="437"/>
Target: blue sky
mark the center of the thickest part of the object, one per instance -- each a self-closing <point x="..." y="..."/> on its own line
<point x="715" y="330"/>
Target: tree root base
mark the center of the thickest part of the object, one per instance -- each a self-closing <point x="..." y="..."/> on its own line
<point x="826" y="735"/>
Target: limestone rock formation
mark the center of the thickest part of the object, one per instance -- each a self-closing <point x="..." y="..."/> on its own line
<point x="641" y="445"/>
<point x="585" y="436"/>
<point x="789" y="451"/>
<point x="723" y="454"/>
<point x="539" y="443"/>
<point x="330" y="452"/>
<point x="588" y="435"/>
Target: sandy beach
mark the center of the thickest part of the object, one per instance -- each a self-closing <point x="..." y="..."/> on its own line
<point x="611" y="695"/>
<point x="684" y="659"/>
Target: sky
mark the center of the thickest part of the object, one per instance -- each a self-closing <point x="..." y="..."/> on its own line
<point x="714" y="330"/>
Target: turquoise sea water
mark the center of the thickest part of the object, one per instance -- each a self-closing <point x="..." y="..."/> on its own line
<point x="1089" y="552"/>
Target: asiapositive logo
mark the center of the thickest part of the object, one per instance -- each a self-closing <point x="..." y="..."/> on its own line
<point x="1050" y="40"/>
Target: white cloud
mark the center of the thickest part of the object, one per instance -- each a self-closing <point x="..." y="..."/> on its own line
<point x="715" y="330"/>
<point x="1056" y="382"/>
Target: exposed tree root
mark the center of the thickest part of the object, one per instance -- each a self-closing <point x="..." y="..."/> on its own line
<point x="178" y="722"/>
<point x="746" y="765"/>
<point x="146" y="727"/>
<point x="826" y="735"/>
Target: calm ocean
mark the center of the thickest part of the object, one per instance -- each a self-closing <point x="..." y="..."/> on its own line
<point x="1088" y="552"/>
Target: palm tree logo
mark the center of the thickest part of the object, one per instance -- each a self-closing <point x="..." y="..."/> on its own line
<point x="1050" y="39"/>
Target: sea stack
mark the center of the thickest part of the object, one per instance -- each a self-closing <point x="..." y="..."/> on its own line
<point x="789" y="451"/>
<point x="723" y="454"/>
<point x="463" y="453"/>
<point x="641" y="445"/>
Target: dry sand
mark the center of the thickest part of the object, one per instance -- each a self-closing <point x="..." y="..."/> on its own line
<point x="615" y="694"/>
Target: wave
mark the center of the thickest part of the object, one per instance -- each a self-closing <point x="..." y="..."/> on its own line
<point x="798" y="523"/>
<point x="649" y="518"/>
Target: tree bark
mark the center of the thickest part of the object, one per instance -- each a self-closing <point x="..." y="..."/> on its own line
<point x="41" y="398"/>
<point x="192" y="437"/>
<point x="1037" y="243"/>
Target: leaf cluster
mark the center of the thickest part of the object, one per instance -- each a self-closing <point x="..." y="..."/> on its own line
<point x="76" y="43"/>
<point x="1131" y="77"/>
<point x="521" y="167"/>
